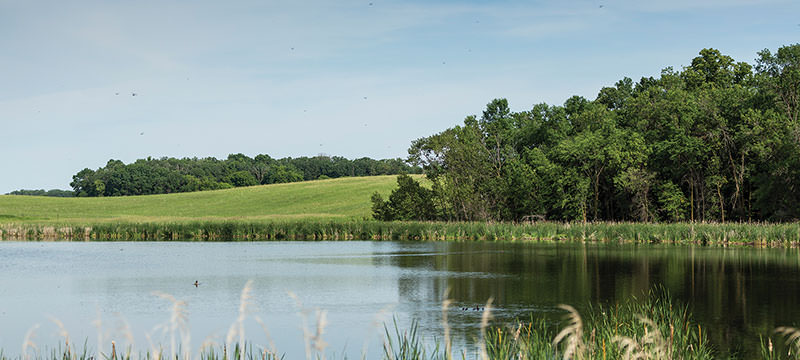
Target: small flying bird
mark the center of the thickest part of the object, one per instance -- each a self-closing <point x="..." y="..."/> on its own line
<point x="601" y="6"/>
<point x="133" y="94"/>
<point x="196" y="283"/>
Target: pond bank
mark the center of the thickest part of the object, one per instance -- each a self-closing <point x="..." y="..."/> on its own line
<point x="715" y="234"/>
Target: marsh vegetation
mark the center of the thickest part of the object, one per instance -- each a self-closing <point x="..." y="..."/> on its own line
<point x="729" y="234"/>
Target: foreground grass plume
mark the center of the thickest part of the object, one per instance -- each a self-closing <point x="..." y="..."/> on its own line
<point x="178" y="322"/>
<point x="237" y="328"/>
<point x="650" y="346"/>
<point x="652" y="328"/>
<point x="314" y="344"/>
<point x="571" y="335"/>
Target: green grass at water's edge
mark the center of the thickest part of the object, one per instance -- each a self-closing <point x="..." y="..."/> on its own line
<point x="287" y="228"/>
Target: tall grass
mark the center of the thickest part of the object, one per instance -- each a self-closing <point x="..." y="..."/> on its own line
<point x="729" y="234"/>
<point x="651" y="328"/>
<point x="637" y="329"/>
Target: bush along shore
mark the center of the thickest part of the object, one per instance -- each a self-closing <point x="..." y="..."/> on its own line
<point x="747" y="234"/>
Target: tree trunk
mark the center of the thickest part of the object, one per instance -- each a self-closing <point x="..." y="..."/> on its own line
<point x="721" y="204"/>
<point x="691" y="199"/>
<point x="596" y="194"/>
<point x="597" y="190"/>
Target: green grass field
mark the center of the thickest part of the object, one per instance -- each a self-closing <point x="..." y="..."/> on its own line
<point x="342" y="198"/>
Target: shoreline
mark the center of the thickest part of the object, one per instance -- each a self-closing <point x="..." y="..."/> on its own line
<point x="755" y="235"/>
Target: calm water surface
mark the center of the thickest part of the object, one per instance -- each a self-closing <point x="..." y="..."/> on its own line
<point x="735" y="293"/>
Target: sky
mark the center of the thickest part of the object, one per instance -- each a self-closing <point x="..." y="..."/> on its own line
<point x="339" y="77"/>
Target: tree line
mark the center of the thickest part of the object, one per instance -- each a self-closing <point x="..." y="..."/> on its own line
<point x="171" y="175"/>
<point x="42" y="192"/>
<point x="718" y="140"/>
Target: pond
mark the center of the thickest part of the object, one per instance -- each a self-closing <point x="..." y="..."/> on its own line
<point x="103" y="291"/>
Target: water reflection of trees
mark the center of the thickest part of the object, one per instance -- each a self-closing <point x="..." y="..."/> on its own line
<point x="736" y="293"/>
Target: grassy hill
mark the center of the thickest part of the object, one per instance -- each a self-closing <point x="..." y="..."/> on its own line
<point x="343" y="198"/>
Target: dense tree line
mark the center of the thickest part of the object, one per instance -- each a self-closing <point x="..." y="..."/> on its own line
<point x="42" y="192"/>
<point x="717" y="141"/>
<point x="170" y="175"/>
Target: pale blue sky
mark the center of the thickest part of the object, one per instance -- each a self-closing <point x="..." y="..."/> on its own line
<point x="299" y="78"/>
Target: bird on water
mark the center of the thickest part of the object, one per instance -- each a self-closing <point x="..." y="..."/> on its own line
<point x="196" y="284"/>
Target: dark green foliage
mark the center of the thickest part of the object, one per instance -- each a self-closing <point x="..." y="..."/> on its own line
<point x="242" y="178"/>
<point x="410" y="201"/>
<point x="283" y="174"/>
<point x="380" y="208"/>
<point x="53" y="193"/>
<point x="717" y="141"/>
<point x="170" y="175"/>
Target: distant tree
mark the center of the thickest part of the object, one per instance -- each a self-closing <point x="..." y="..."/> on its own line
<point x="283" y="174"/>
<point x="711" y="68"/>
<point x="167" y="175"/>
<point x="637" y="183"/>
<point x="672" y="201"/>
<point x="82" y="183"/>
<point x="781" y="73"/>
<point x="410" y="201"/>
<point x="27" y="192"/>
<point x="381" y="209"/>
<point x="100" y="187"/>
<point x="208" y="183"/>
<point x="190" y="183"/>
<point x="42" y="192"/>
<point x="242" y="178"/>
<point x="615" y="98"/>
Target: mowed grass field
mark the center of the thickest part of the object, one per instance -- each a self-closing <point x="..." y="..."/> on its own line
<point x="342" y="198"/>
